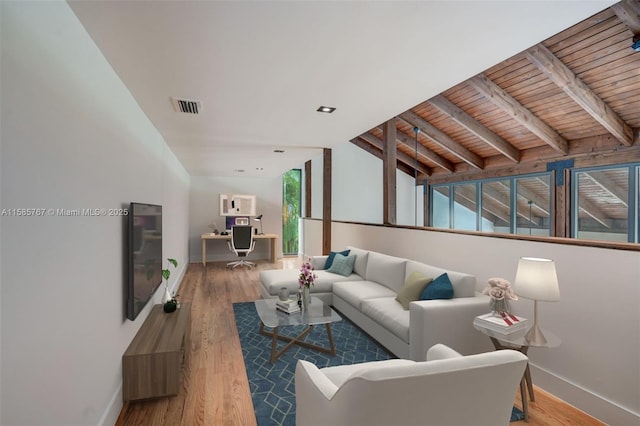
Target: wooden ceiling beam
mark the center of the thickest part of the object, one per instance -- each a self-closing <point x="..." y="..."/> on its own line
<point x="576" y="89"/>
<point x="519" y="113"/>
<point x="458" y="115"/>
<point x="442" y="139"/>
<point x="426" y="152"/>
<point x="628" y="11"/>
<point x="402" y="157"/>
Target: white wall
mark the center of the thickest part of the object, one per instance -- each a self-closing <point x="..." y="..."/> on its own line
<point x="72" y="138"/>
<point x="204" y="209"/>
<point x="357" y="192"/>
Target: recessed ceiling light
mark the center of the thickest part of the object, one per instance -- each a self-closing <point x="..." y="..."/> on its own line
<point x="259" y="169"/>
<point x="279" y="151"/>
<point x="326" y="109"/>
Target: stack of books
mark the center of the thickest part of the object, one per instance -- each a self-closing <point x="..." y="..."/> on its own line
<point x="289" y="306"/>
<point x="505" y="324"/>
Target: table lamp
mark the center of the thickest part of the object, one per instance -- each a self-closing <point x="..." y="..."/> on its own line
<point x="259" y="219"/>
<point x="536" y="279"/>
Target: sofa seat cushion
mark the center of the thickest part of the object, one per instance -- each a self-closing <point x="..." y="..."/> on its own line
<point x="275" y="279"/>
<point x="354" y="292"/>
<point x="387" y="312"/>
<point x="464" y="285"/>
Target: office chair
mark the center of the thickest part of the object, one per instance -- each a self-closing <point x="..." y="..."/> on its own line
<point x="241" y="244"/>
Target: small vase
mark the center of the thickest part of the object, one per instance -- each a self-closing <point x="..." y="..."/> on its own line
<point x="306" y="298"/>
<point x="499" y="306"/>
<point x="167" y="296"/>
<point x="284" y="294"/>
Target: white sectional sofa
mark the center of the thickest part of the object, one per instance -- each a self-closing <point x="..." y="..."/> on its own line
<point x="368" y="298"/>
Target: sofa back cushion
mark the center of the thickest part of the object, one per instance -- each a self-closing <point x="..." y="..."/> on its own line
<point x="464" y="285"/>
<point x="362" y="256"/>
<point x="386" y="270"/>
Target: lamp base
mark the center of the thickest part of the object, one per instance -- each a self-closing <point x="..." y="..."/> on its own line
<point x="535" y="337"/>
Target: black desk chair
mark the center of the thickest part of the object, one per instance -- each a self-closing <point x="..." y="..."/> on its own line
<point x="241" y="244"/>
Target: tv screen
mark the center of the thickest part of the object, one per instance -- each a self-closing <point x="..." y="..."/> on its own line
<point x="144" y="255"/>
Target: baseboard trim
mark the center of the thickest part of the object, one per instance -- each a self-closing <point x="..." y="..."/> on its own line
<point x="114" y="410"/>
<point x="585" y="400"/>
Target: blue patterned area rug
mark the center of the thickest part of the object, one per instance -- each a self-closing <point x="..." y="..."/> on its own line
<point x="272" y="385"/>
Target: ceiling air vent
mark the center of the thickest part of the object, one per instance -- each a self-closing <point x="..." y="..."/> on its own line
<point x="187" y="106"/>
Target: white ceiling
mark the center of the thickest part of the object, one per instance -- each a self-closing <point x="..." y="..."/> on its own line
<point x="261" y="69"/>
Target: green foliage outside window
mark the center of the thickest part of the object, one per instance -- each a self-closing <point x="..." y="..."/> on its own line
<point x="290" y="210"/>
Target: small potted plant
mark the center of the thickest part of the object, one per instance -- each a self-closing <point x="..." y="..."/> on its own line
<point x="170" y="303"/>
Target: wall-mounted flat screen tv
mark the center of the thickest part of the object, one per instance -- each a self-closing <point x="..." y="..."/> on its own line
<point x="144" y="255"/>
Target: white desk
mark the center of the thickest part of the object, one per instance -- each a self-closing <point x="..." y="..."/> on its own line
<point x="225" y="238"/>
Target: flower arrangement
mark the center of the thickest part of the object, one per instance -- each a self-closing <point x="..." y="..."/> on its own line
<point x="501" y="293"/>
<point x="305" y="279"/>
<point x="307" y="276"/>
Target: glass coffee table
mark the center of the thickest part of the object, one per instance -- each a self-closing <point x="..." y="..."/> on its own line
<point x="318" y="313"/>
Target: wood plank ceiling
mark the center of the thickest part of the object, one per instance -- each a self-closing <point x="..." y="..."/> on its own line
<point x="573" y="96"/>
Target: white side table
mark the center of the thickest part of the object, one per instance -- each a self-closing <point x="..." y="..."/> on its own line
<point x="517" y="341"/>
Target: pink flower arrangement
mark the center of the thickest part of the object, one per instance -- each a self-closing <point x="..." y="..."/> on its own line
<point x="307" y="276"/>
<point x="499" y="289"/>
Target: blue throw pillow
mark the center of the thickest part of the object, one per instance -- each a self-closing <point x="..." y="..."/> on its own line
<point x="439" y="288"/>
<point x="342" y="265"/>
<point x="332" y="256"/>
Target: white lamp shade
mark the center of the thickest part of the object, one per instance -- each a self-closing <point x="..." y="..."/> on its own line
<point x="536" y="279"/>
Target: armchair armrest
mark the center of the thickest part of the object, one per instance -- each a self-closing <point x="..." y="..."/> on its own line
<point x="441" y="351"/>
<point x="313" y="382"/>
<point x="449" y="322"/>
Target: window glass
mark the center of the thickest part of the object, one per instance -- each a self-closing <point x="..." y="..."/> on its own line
<point x="602" y="199"/>
<point x="496" y="206"/>
<point x="533" y="205"/>
<point x="291" y="207"/>
<point x="465" y="207"/>
<point x="440" y="207"/>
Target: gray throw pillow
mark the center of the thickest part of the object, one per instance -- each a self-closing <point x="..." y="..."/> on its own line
<point x="342" y="265"/>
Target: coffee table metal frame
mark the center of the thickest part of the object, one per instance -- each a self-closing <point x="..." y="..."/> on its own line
<point x="318" y="313"/>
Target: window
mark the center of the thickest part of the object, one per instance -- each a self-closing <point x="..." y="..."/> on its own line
<point x="496" y="206"/>
<point x="440" y="212"/>
<point x="465" y="207"/>
<point x="507" y="205"/>
<point x="291" y="196"/>
<point x="601" y="205"/>
<point x="533" y="205"/>
<point x="604" y="204"/>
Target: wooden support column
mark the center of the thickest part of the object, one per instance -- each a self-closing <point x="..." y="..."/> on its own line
<point x="326" y="201"/>
<point x="561" y="193"/>
<point x="389" y="164"/>
<point x="425" y="203"/>
<point x="307" y="189"/>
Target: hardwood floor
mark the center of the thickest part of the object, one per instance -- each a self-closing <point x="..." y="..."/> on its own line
<point x="215" y="389"/>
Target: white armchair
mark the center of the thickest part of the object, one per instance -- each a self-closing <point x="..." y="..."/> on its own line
<point x="447" y="389"/>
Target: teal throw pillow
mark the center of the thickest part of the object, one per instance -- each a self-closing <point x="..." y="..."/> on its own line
<point x="342" y="265"/>
<point x="332" y="256"/>
<point x="439" y="288"/>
